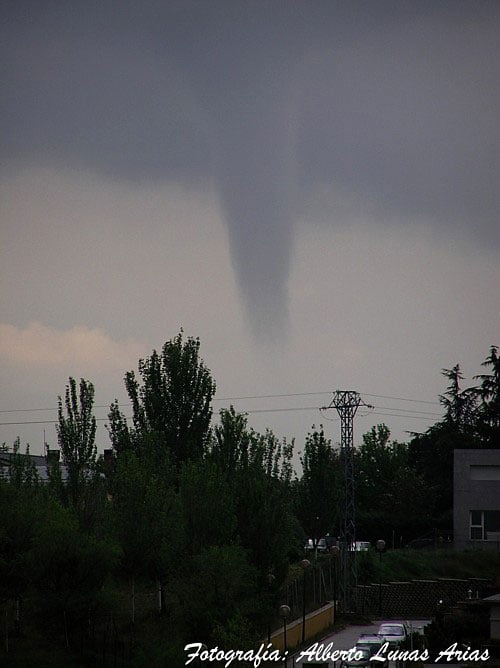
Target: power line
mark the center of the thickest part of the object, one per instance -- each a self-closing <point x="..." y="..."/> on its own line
<point x="282" y="410"/>
<point x="408" y="410"/>
<point x="256" y="396"/>
<point x="241" y="398"/>
<point x="414" y="417"/>
<point x="256" y="410"/>
<point x="3" y="424"/>
<point x="249" y="412"/>
<point x="394" y="411"/>
<point x="29" y="410"/>
<point x="417" y="401"/>
<point x="273" y="396"/>
<point x="417" y="415"/>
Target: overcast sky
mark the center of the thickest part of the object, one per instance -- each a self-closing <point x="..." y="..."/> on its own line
<point x="311" y="188"/>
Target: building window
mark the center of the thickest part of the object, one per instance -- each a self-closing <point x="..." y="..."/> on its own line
<point x="485" y="525"/>
<point x="476" y="525"/>
<point x="489" y="472"/>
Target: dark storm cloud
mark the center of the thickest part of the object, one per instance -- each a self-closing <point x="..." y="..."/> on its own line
<point x="395" y="103"/>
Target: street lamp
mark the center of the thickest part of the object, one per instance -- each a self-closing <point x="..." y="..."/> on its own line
<point x="305" y="563"/>
<point x="284" y="614"/>
<point x="334" y="555"/>
<point x="439" y="613"/>
<point x="270" y="581"/>
<point x="380" y="545"/>
<point x="316" y="538"/>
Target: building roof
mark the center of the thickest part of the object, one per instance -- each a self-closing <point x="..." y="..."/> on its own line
<point x="40" y="463"/>
<point x="492" y="599"/>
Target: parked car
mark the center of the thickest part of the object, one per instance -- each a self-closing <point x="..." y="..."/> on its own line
<point x="320" y="547"/>
<point x="395" y="633"/>
<point x="373" y="640"/>
<point x="366" y="647"/>
<point x="363" y="658"/>
<point x="361" y="546"/>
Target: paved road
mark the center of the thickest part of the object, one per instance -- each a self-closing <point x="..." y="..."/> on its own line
<point x="346" y="639"/>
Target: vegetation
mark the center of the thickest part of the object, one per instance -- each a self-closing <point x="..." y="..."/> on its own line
<point x="318" y="493"/>
<point x="407" y="564"/>
<point x="191" y="530"/>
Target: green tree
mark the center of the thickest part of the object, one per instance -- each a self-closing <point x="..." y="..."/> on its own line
<point x="148" y="520"/>
<point x="257" y="470"/>
<point x="22" y="470"/>
<point x="431" y="453"/>
<point x="121" y="436"/>
<point x="460" y="404"/>
<point x="76" y="430"/>
<point x="69" y="569"/>
<point x="21" y="513"/>
<point x="392" y="498"/>
<point x="173" y="402"/>
<point x="235" y="446"/>
<point x="489" y="394"/>
<point x="232" y="442"/>
<point x="319" y="490"/>
<point x="217" y="597"/>
<point x="207" y="506"/>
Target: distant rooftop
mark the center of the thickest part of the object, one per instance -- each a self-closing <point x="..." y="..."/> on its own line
<point x="40" y="463"/>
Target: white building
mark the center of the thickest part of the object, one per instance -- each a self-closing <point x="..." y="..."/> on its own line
<point x="476" y="499"/>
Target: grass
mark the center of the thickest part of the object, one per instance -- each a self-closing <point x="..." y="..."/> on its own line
<point x="410" y="565"/>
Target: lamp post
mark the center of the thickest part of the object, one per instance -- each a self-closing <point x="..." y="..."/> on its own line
<point x="334" y="554"/>
<point x="439" y="613"/>
<point x="284" y="614"/>
<point x="380" y="545"/>
<point x="305" y="563"/>
<point x="270" y="580"/>
<point x="316" y="538"/>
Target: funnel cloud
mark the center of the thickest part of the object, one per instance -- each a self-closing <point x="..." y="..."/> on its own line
<point x="394" y="103"/>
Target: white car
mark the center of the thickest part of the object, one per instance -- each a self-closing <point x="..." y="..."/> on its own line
<point x="320" y="547"/>
<point x="395" y="633"/>
<point x="361" y="546"/>
<point x="368" y="644"/>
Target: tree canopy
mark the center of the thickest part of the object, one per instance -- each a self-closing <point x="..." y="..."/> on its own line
<point x="192" y="527"/>
<point x="171" y="403"/>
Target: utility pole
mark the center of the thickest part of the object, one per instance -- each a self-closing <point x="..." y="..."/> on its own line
<point x="347" y="402"/>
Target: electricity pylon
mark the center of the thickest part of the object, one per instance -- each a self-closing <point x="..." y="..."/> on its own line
<point x="347" y="403"/>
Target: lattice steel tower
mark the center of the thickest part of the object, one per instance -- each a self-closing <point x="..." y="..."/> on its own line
<point x="347" y="403"/>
